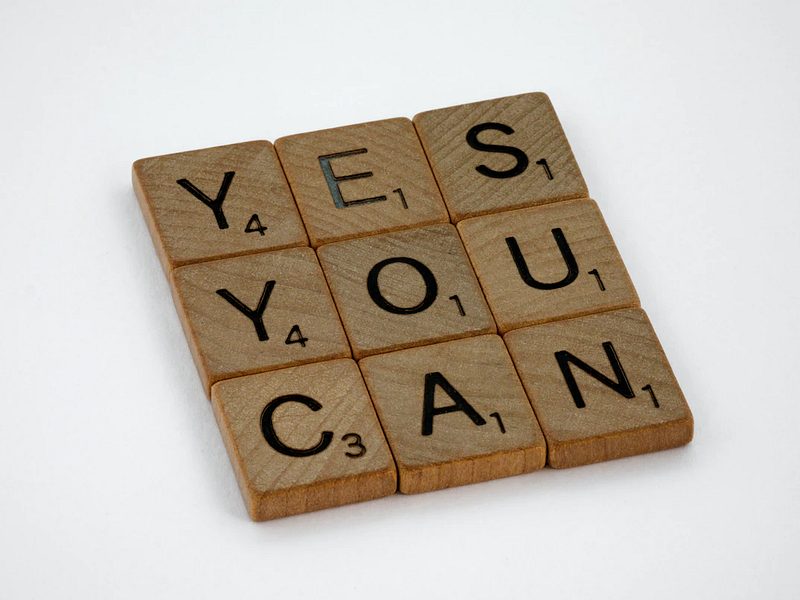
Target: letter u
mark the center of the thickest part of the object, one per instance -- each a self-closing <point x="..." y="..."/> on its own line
<point x="524" y="272"/>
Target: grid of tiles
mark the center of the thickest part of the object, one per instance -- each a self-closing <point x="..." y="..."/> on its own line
<point x="458" y="258"/>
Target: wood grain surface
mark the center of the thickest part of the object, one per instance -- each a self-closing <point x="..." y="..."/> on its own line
<point x="323" y="445"/>
<point x="646" y="411"/>
<point x="550" y="283"/>
<point x="381" y="174"/>
<point x="477" y="176"/>
<point x="500" y="438"/>
<point x="415" y="311"/>
<point x="185" y="229"/>
<point x="272" y="325"/>
<point x="226" y="342"/>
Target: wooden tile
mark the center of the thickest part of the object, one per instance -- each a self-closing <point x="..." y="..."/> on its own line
<point x="255" y="313"/>
<point x="601" y="387"/>
<point x="546" y="263"/>
<point x="218" y="202"/>
<point x="303" y="438"/>
<point x="360" y="180"/>
<point x="454" y="413"/>
<point x="499" y="154"/>
<point x="405" y="289"/>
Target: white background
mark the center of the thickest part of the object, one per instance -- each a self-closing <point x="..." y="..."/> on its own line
<point x="114" y="482"/>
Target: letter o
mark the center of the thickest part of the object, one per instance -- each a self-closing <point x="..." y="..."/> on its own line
<point x="431" y="288"/>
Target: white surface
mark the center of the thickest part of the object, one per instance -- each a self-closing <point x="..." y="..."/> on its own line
<point x="114" y="480"/>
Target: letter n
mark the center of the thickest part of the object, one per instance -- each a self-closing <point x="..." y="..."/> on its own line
<point x="622" y="386"/>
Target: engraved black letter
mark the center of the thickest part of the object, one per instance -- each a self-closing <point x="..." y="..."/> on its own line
<point x="268" y="429"/>
<point x="431" y="289"/>
<point x="333" y="180"/>
<point x="622" y="386"/>
<point x="429" y="411"/>
<point x="216" y="204"/>
<point x="256" y="315"/>
<point x="522" y="266"/>
<point x="522" y="158"/>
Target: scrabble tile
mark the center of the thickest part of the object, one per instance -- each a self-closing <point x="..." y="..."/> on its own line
<point x="303" y="438"/>
<point x="256" y="313"/>
<point x="499" y="154"/>
<point x="454" y="413"/>
<point x="218" y="202"/>
<point x="546" y="263"/>
<point x="601" y="387"/>
<point x="404" y="289"/>
<point x="360" y="180"/>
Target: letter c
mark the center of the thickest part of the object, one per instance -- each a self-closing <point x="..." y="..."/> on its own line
<point x="268" y="429"/>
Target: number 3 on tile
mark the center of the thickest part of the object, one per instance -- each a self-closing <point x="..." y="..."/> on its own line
<point x="362" y="450"/>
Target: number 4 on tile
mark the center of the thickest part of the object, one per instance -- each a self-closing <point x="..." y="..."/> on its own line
<point x="295" y="330"/>
<point x="254" y="224"/>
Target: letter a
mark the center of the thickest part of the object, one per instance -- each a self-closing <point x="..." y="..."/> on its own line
<point x="460" y="405"/>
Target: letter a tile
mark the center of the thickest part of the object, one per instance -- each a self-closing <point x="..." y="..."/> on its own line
<point x="454" y="413"/>
<point x="546" y="263"/>
<point x="601" y="387"/>
<point x="218" y="202"/>
<point x="499" y="154"/>
<point x="360" y="180"/>
<point x="405" y="289"/>
<point x="256" y="313"/>
<point x="303" y="438"/>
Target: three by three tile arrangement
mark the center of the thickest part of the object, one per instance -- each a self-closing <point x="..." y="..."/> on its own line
<point x="408" y="247"/>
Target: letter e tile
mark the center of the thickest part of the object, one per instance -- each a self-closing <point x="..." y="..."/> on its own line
<point x="303" y="438"/>
<point x="361" y="180"/>
<point x="601" y="387"/>
<point x="257" y="313"/>
<point x="454" y="413"/>
<point x="215" y="203"/>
